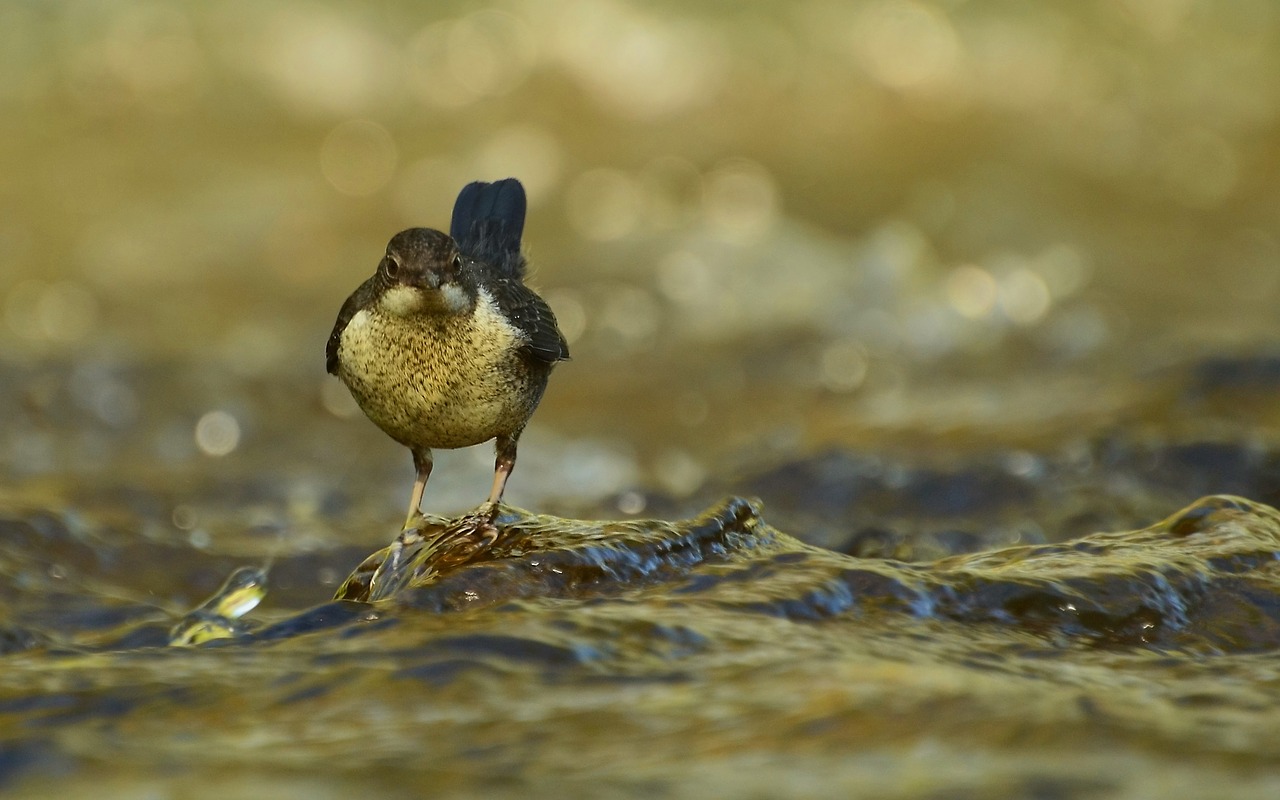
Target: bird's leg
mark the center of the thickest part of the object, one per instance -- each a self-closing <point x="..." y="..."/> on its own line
<point x="502" y="467"/>
<point x="422" y="463"/>
<point x="503" y="464"/>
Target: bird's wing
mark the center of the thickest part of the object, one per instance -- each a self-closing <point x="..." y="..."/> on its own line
<point x="488" y="221"/>
<point x="533" y="317"/>
<point x="358" y="299"/>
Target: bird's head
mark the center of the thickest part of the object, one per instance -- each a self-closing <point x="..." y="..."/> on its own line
<point x="423" y="272"/>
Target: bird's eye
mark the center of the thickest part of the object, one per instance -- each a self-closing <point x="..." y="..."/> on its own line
<point x="390" y="267"/>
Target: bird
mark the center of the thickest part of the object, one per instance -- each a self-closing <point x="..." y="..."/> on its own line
<point x="444" y="346"/>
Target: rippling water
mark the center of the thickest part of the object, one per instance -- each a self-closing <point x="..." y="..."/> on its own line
<point x="961" y="292"/>
<point x="717" y="654"/>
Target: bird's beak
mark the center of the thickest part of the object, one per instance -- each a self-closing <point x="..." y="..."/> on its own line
<point x="429" y="279"/>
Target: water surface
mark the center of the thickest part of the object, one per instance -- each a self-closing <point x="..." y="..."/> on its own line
<point x="964" y="297"/>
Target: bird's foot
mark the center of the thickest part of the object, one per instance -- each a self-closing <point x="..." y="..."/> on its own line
<point x="408" y="536"/>
<point x="412" y="522"/>
<point x="478" y="527"/>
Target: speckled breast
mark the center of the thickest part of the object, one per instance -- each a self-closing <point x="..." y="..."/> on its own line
<point x="449" y="381"/>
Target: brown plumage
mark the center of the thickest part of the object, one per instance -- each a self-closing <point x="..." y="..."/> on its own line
<point x="444" y="346"/>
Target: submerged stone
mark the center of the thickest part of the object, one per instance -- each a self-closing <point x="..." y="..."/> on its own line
<point x="1203" y="578"/>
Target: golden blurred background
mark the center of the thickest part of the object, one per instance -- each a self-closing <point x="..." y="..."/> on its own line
<point x="928" y="277"/>
<point x="763" y="226"/>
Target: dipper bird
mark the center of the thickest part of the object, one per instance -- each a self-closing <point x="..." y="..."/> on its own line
<point x="444" y="346"/>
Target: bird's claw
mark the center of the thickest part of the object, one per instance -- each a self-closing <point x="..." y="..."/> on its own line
<point x="478" y="527"/>
<point x="408" y="536"/>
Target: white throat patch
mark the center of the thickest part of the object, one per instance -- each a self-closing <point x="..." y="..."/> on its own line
<point x="455" y="298"/>
<point x="406" y="301"/>
<point x="401" y="301"/>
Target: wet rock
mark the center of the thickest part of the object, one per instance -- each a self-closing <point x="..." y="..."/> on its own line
<point x="1197" y="580"/>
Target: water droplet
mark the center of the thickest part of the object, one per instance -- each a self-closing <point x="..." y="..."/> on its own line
<point x="631" y="502"/>
<point x="217" y="433"/>
<point x="972" y="291"/>
<point x="741" y="200"/>
<point x="843" y="366"/>
<point x="1024" y="297"/>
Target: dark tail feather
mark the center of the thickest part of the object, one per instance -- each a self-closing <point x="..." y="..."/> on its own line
<point x="488" y="220"/>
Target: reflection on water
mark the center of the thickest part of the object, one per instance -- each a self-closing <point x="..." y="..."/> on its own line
<point x="933" y="280"/>
<point x="705" y="644"/>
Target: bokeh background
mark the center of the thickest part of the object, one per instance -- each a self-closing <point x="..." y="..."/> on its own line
<point x="769" y="231"/>
<point x="926" y="276"/>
